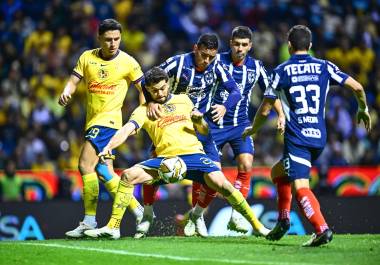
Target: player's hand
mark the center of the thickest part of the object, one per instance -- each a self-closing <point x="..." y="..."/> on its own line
<point x="281" y="124"/>
<point x="247" y="132"/>
<point x="154" y="111"/>
<point x="196" y="116"/>
<point x="218" y="112"/>
<point x="104" y="153"/>
<point x="64" y="99"/>
<point x="363" y="115"/>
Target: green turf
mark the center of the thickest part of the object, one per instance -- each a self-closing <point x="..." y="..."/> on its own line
<point x="344" y="249"/>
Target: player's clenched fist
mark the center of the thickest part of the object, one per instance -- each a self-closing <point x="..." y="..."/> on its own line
<point x="64" y="99"/>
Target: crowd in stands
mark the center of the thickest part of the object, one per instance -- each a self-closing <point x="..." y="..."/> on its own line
<point x="40" y="41"/>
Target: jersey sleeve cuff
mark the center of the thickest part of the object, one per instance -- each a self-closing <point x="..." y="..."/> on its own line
<point x="138" y="80"/>
<point x="76" y="74"/>
<point x="136" y="124"/>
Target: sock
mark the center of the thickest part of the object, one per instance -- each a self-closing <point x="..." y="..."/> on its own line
<point x="112" y="185"/>
<point x="238" y="203"/>
<point x="134" y="206"/>
<point x="90" y="220"/>
<point x="149" y="192"/>
<point x="243" y="183"/>
<point x="198" y="210"/>
<point x="309" y="205"/>
<point x="90" y="193"/>
<point x="122" y="199"/>
<point x="195" y="193"/>
<point x="284" y="197"/>
<point x="205" y="196"/>
<point x="148" y="210"/>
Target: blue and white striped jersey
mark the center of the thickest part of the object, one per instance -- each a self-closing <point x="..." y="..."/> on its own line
<point x="246" y="76"/>
<point x="302" y="84"/>
<point x="199" y="86"/>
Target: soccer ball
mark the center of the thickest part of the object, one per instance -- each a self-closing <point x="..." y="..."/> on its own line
<point x="172" y="169"/>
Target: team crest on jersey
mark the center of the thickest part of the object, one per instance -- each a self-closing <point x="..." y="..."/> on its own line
<point x="251" y="76"/>
<point x="224" y="95"/>
<point x="209" y="78"/>
<point x="168" y="108"/>
<point x="103" y="73"/>
<point x="195" y="92"/>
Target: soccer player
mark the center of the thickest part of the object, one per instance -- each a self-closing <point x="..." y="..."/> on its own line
<point x="198" y="75"/>
<point x="246" y="72"/>
<point x="173" y="134"/>
<point x="107" y="73"/>
<point x="302" y="84"/>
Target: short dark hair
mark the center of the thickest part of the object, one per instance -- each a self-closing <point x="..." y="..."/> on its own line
<point x="155" y="75"/>
<point x="209" y="41"/>
<point x="299" y="37"/>
<point x="109" y="24"/>
<point x="242" y="32"/>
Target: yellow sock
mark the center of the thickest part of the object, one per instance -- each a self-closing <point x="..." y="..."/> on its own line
<point x="134" y="206"/>
<point x="238" y="202"/>
<point x="112" y="185"/>
<point x="90" y="193"/>
<point x="122" y="199"/>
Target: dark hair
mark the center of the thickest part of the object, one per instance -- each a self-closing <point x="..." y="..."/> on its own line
<point x="109" y="24"/>
<point x="208" y="40"/>
<point x="242" y="32"/>
<point x="155" y="75"/>
<point x="299" y="37"/>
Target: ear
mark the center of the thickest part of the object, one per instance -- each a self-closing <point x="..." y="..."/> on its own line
<point x="195" y="47"/>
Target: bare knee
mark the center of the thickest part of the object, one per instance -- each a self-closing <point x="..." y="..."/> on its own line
<point x="85" y="166"/>
<point x="126" y="175"/>
<point x="245" y="162"/>
<point x="217" y="181"/>
<point x="277" y="170"/>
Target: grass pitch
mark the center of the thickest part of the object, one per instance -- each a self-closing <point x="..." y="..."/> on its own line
<point x="344" y="249"/>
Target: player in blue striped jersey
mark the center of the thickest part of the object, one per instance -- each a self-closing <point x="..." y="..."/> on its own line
<point x="198" y="75"/>
<point x="302" y="84"/>
<point x="246" y="72"/>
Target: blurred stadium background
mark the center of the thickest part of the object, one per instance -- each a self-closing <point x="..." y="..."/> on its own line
<point x="40" y="42"/>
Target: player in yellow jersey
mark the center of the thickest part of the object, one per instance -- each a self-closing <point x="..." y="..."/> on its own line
<point x="107" y="73"/>
<point x="173" y="134"/>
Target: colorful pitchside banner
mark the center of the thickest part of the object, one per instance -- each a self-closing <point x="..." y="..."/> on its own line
<point x="343" y="181"/>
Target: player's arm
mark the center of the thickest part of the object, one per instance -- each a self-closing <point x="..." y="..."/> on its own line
<point x="120" y="137"/>
<point x="138" y="86"/>
<point x="233" y="98"/>
<point x="70" y="88"/>
<point x="199" y="123"/>
<point x="260" y="116"/>
<point x="363" y="112"/>
<point x="280" y="116"/>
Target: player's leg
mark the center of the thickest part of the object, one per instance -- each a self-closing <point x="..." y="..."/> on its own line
<point x="242" y="183"/>
<point x="149" y="196"/>
<point x="87" y="161"/>
<point x="202" y="194"/>
<point x="111" y="180"/>
<point x="299" y="160"/>
<point x="218" y="181"/>
<point x="123" y="197"/>
<point x="284" y="201"/>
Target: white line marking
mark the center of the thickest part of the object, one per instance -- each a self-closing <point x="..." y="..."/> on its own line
<point x="170" y="257"/>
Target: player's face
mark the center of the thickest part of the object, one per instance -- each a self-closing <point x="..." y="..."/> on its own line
<point x="159" y="91"/>
<point x="110" y="42"/>
<point x="203" y="57"/>
<point x="240" y="48"/>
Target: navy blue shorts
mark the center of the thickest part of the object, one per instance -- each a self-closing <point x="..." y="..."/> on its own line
<point x="209" y="146"/>
<point x="99" y="136"/>
<point x="297" y="160"/>
<point x="197" y="165"/>
<point x="232" y="135"/>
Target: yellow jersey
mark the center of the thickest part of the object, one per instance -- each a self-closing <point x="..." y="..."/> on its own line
<point x="107" y="83"/>
<point x="174" y="133"/>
